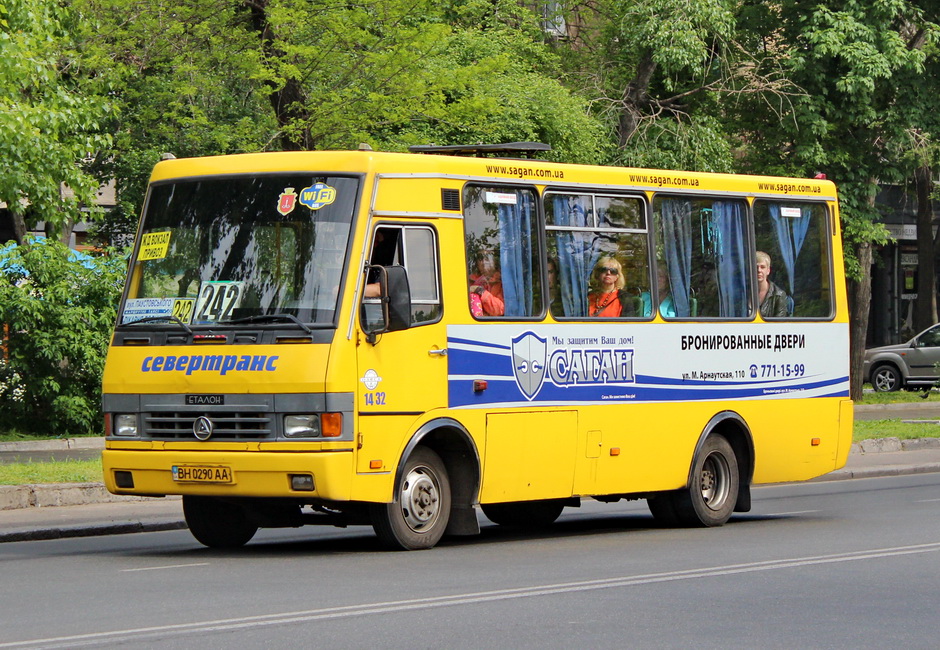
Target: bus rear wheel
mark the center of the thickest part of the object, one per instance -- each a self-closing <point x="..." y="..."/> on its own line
<point x="419" y="515"/>
<point x="524" y="514"/>
<point x="217" y="523"/>
<point x="711" y="497"/>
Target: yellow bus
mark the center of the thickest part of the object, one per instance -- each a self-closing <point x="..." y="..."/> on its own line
<point x="397" y="339"/>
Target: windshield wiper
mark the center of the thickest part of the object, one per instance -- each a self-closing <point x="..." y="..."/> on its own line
<point x="269" y="317"/>
<point x="161" y="319"/>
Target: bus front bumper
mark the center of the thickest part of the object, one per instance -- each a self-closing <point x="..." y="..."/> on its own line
<point x="235" y="474"/>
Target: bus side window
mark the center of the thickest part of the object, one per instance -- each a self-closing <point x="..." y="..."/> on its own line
<point x="504" y="275"/>
<point x="703" y="247"/>
<point x="414" y="248"/>
<point x="795" y="236"/>
<point x="583" y="229"/>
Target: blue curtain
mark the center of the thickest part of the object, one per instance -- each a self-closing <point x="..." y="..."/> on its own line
<point x="577" y="253"/>
<point x="676" y="218"/>
<point x="791" y="233"/>
<point x="731" y="255"/>
<point x="517" y="254"/>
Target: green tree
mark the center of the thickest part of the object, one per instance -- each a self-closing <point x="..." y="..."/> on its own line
<point x="662" y="73"/>
<point x="860" y="66"/>
<point x="185" y="77"/>
<point x="51" y="116"/>
<point x="59" y="308"/>
<point x="231" y="76"/>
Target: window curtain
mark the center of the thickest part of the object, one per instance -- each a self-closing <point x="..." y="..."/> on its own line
<point x="791" y="233"/>
<point x="577" y="253"/>
<point x="676" y="219"/>
<point x="731" y="257"/>
<point x="517" y="250"/>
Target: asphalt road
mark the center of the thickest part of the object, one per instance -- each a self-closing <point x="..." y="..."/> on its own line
<point x="840" y="564"/>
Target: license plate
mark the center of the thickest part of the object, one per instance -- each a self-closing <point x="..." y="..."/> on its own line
<point x="203" y="474"/>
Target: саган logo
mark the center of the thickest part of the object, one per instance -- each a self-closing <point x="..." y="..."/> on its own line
<point x="528" y="363"/>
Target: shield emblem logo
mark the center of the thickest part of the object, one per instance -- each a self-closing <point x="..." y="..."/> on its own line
<point x="287" y="201"/>
<point x="528" y="363"/>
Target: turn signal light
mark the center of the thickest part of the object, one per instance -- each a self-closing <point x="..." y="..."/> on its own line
<point x="375" y="464"/>
<point x="815" y="442"/>
<point x="331" y="425"/>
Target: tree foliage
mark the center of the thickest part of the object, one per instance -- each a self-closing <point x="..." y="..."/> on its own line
<point x="861" y="67"/>
<point x="59" y="309"/>
<point x="229" y="76"/>
<point x="846" y="88"/>
<point x="51" y="115"/>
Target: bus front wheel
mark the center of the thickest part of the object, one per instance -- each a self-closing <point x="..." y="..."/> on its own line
<point x="216" y="523"/>
<point x="418" y="516"/>
<point x="710" y="499"/>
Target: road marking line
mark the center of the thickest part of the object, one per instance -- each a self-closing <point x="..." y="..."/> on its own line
<point x="168" y="566"/>
<point x="927" y="500"/>
<point x="794" y="512"/>
<point x="250" y="622"/>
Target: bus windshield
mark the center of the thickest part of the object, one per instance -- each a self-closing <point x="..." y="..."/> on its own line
<point x="224" y="249"/>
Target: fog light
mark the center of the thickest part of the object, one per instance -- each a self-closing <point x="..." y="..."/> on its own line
<point x="123" y="479"/>
<point x="301" y="482"/>
<point x="125" y="425"/>
<point x="301" y="426"/>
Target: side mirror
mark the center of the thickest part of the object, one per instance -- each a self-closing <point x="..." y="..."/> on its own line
<point x="394" y="301"/>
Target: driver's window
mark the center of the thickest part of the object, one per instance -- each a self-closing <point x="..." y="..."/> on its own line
<point x="929" y="339"/>
<point x="415" y="248"/>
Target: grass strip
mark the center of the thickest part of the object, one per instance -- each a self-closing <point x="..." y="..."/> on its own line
<point x="60" y="471"/>
<point x="868" y="429"/>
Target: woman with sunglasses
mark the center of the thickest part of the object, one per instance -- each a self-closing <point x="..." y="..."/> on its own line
<point x="607" y="301"/>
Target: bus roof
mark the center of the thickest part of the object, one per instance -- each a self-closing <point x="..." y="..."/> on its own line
<point x="530" y="171"/>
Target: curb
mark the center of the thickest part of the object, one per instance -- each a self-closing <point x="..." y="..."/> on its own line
<point x="13" y="497"/>
<point x="878" y="472"/>
<point x="52" y="445"/>
<point x="89" y="530"/>
<point x="880" y="445"/>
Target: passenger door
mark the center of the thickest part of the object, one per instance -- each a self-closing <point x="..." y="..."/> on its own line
<point x="402" y="374"/>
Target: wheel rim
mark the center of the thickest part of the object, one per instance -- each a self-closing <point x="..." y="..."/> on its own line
<point x="420" y="496"/>
<point x="715" y="481"/>
<point x="884" y="380"/>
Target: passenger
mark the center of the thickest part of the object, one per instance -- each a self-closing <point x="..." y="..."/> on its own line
<point x="666" y="307"/>
<point x="487" y="285"/>
<point x="771" y="298"/>
<point x="610" y="298"/>
<point x="554" y="288"/>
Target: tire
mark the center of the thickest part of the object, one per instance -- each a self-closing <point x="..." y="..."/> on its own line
<point x="217" y="523"/>
<point x="419" y="515"/>
<point x="885" y="379"/>
<point x="524" y="514"/>
<point x="663" y="508"/>
<point x="710" y="499"/>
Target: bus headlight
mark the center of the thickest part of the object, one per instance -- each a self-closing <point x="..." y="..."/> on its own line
<point x="125" y="425"/>
<point x="301" y="426"/>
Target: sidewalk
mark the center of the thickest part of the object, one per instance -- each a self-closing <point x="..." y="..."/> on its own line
<point x="37" y="512"/>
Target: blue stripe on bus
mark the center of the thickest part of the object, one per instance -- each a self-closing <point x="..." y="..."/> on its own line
<point x="502" y="391"/>
<point x="475" y="343"/>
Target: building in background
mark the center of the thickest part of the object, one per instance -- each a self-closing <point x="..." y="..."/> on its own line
<point x="79" y="239"/>
<point x="894" y="272"/>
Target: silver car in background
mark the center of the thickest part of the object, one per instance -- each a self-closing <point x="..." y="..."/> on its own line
<point x="905" y="365"/>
